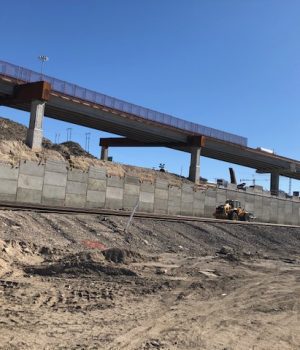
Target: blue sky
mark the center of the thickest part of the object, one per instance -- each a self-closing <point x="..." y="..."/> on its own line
<point x="229" y="64"/>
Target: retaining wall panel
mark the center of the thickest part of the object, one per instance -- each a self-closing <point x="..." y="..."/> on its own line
<point x="295" y="213"/>
<point x="210" y="203"/>
<point x="273" y="210"/>
<point x="56" y="166"/>
<point x="147" y="187"/>
<point x="249" y="203"/>
<point x="114" y="198"/>
<point x="221" y="196"/>
<point x="288" y="212"/>
<point x="8" y="187"/>
<point x="75" y="200"/>
<point x="163" y="185"/>
<point x="8" y="197"/>
<point x="97" y="173"/>
<point x="54" y="192"/>
<point x="97" y="198"/>
<point x="30" y="182"/>
<point x="198" y="204"/>
<point x="53" y="202"/>
<point x="132" y="180"/>
<point x="96" y="185"/>
<point x="161" y="205"/>
<point x="32" y="168"/>
<point x="266" y="205"/>
<point x="115" y="181"/>
<point x="26" y="195"/>
<point x="131" y="189"/>
<point x="174" y="210"/>
<point x="281" y="212"/>
<point x="174" y="194"/>
<point x="9" y="173"/>
<point x="78" y="188"/>
<point x="55" y="179"/>
<point x="130" y="201"/>
<point x="146" y="207"/>
<point x="161" y="194"/>
<point x="230" y="195"/>
<point x="187" y="199"/>
<point x="77" y="176"/>
<point x="258" y="207"/>
<point x="147" y="197"/>
<point x="188" y="188"/>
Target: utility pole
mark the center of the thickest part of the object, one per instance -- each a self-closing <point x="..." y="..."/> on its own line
<point x="290" y="186"/>
<point x="87" y="141"/>
<point x="57" y="136"/>
<point x="69" y="134"/>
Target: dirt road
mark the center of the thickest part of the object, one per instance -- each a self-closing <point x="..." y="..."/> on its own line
<point x="79" y="282"/>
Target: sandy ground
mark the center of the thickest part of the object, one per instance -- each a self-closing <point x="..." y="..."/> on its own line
<point x="80" y="282"/>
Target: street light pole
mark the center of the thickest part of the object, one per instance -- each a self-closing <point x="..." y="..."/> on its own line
<point x="43" y="59"/>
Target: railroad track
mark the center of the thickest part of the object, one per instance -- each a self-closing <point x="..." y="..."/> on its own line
<point x="110" y="212"/>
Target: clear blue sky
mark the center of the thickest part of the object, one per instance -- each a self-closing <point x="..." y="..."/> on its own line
<point x="228" y="64"/>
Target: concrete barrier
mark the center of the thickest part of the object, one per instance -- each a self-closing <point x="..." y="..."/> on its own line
<point x="53" y="183"/>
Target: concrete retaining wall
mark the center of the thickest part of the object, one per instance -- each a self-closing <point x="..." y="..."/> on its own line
<point x="53" y="183"/>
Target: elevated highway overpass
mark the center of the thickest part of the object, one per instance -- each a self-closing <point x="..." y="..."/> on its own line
<point x="27" y="90"/>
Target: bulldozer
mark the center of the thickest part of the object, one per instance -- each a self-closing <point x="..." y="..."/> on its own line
<point x="232" y="210"/>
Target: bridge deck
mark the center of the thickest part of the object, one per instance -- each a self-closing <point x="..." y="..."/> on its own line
<point x="74" y="104"/>
<point x="60" y="86"/>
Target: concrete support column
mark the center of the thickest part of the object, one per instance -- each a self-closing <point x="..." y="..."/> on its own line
<point x="274" y="184"/>
<point x="34" y="136"/>
<point x="104" y="153"/>
<point x="194" y="173"/>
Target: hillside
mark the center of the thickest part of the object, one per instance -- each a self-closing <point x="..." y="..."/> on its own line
<point x="13" y="148"/>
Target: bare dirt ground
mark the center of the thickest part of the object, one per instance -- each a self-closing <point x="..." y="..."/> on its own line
<point x="80" y="282"/>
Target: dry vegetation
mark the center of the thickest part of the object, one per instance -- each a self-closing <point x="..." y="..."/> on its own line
<point x="13" y="148"/>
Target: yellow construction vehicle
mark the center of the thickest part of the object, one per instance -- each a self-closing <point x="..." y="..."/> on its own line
<point x="232" y="210"/>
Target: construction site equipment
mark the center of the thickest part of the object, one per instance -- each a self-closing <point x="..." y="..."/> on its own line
<point x="232" y="210"/>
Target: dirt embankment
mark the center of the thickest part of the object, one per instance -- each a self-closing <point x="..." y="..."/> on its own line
<point x="80" y="282"/>
<point x="13" y="149"/>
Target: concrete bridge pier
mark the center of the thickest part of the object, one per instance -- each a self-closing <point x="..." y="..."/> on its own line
<point x="34" y="136"/>
<point x="274" y="183"/>
<point x="194" y="172"/>
<point x="104" y="153"/>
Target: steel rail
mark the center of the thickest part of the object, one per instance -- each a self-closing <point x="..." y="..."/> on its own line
<point x="141" y="215"/>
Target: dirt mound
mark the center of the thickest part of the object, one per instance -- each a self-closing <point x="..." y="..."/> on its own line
<point x="17" y="249"/>
<point x="118" y="255"/>
<point x="69" y="148"/>
<point x="82" y="263"/>
<point x="11" y="130"/>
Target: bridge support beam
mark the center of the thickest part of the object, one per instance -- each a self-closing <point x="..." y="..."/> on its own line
<point x="104" y="153"/>
<point x="194" y="173"/>
<point x="34" y="136"/>
<point x="274" y="183"/>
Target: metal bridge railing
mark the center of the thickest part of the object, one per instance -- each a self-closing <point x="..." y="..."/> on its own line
<point x="27" y="75"/>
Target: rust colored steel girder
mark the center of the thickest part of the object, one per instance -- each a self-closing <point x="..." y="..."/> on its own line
<point x="39" y="90"/>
